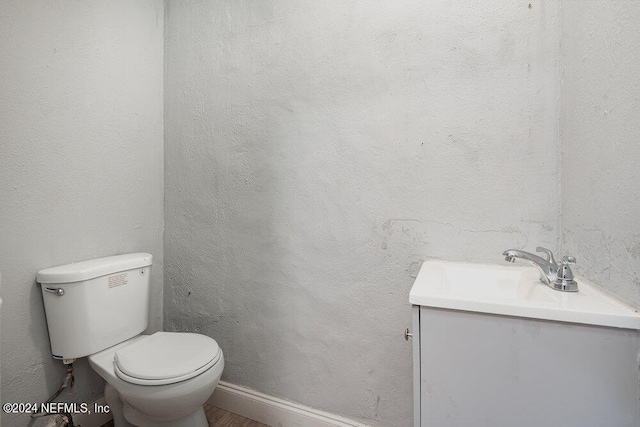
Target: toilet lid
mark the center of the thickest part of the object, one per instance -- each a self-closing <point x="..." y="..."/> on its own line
<point x="166" y="358"/>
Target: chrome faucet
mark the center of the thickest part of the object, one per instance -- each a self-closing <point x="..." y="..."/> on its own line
<point x="558" y="277"/>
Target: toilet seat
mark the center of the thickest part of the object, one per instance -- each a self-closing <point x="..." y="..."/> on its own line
<point x="166" y="358"/>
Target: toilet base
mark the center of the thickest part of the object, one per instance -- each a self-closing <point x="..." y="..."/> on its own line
<point x="194" y="419"/>
<point x="116" y="406"/>
<point x="126" y="416"/>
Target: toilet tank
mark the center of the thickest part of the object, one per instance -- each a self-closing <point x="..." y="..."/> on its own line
<point x="93" y="305"/>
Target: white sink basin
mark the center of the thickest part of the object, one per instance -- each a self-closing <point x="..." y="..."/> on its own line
<point x="516" y="291"/>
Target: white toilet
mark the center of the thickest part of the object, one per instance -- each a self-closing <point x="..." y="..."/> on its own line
<point x="99" y="308"/>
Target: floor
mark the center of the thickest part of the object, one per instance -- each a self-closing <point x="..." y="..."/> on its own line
<point x="220" y="418"/>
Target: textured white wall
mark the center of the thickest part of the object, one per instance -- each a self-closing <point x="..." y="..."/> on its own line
<point x="317" y="152"/>
<point x="81" y="165"/>
<point x="600" y="136"/>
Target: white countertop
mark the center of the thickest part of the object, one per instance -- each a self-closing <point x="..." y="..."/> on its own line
<point x="515" y="290"/>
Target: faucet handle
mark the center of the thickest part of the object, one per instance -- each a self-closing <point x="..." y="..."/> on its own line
<point x="548" y="253"/>
<point x="564" y="277"/>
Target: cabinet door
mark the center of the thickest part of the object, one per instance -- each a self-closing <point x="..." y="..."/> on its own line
<point x="415" y="313"/>
<point x="488" y="370"/>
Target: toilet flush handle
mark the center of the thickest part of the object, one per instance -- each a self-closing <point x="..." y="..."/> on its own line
<point x="407" y="335"/>
<point x="57" y="291"/>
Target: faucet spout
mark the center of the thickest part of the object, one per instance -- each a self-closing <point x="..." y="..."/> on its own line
<point x="547" y="267"/>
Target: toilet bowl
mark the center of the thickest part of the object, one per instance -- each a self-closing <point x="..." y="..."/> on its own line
<point x="161" y="378"/>
<point x="99" y="308"/>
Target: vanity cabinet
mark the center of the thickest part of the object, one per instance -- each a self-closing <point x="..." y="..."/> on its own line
<point x="511" y="353"/>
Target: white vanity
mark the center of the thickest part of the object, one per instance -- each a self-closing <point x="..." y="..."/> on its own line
<point x="493" y="346"/>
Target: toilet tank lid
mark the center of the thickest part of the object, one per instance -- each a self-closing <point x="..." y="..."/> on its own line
<point x="90" y="269"/>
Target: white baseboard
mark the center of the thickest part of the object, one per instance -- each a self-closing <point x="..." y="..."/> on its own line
<point x="94" y="419"/>
<point x="251" y="404"/>
<point x="271" y="410"/>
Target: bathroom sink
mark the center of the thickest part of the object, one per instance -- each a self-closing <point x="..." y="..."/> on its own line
<point x="515" y="291"/>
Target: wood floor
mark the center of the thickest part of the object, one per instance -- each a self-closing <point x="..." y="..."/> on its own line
<point x="220" y="418"/>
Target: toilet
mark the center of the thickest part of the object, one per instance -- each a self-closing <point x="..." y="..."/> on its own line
<point x="99" y="308"/>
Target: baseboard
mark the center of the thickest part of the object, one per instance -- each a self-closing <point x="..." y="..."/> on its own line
<point x="257" y="406"/>
<point x="95" y="418"/>
<point x="271" y="410"/>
